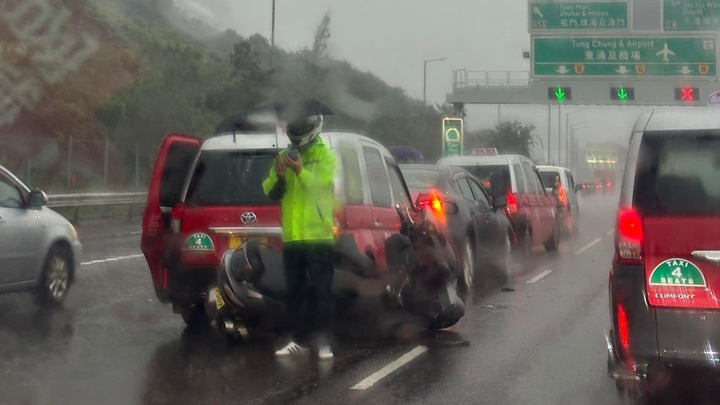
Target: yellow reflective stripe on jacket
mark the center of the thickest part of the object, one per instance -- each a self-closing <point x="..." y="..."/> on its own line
<point x="309" y="200"/>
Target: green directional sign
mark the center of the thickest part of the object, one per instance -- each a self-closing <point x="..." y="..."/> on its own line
<point x="578" y="15"/>
<point x="641" y="56"/>
<point x="691" y="15"/>
<point x="452" y="137"/>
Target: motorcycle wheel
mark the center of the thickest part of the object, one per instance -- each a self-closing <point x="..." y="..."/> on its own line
<point x="194" y="315"/>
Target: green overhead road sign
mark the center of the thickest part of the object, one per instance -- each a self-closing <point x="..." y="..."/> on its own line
<point x="578" y="16"/>
<point x="691" y="15"/>
<point x="639" y="56"/>
<point x="452" y="137"/>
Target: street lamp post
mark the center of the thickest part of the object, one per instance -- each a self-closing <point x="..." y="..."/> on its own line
<point x="272" y="34"/>
<point x="425" y="77"/>
<point x="567" y="130"/>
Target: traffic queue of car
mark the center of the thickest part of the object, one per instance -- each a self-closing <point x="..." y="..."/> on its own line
<point x="205" y="197"/>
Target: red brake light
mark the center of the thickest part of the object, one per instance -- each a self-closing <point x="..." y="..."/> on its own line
<point x="434" y="201"/>
<point x="622" y="325"/>
<point x="511" y="203"/>
<point x="629" y="238"/>
<point x="431" y="200"/>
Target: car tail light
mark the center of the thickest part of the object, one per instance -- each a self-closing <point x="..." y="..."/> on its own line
<point x="629" y="236"/>
<point x="432" y="200"/>
<point x="511" y="203"/>
<point x="176" y="218"/>
<point x="623" y="330"/>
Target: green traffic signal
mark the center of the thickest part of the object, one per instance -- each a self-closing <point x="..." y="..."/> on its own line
<point x="622" y="94"/>
<point x="559" y="93"/>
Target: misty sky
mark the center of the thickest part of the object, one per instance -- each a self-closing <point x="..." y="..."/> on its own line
<point x="393" y="38"/>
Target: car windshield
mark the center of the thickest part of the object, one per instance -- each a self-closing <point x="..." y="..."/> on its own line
<point x="230" y="178"/>
<point x="485" y="172"/>
<point x="420" y="179"/>
<point x="549" y="178"/>
<point x="677" y="174"/>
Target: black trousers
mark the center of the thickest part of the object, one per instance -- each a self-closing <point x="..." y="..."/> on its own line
<point x="309" y="274"/>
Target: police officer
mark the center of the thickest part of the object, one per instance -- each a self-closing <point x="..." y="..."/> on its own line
<point x="302" y="179"/>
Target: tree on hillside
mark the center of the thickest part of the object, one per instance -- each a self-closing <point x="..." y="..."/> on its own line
<point x="507" y="137"/>
<point x="322" y="37"/>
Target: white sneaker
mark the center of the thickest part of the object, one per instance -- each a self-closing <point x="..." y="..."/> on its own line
<point x="291" y="348"/>
<point x="325" y="352"/>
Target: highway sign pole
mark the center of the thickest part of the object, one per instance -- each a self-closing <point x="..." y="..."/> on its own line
<point x="549" y="134"/>
<point x="559" y="132"/>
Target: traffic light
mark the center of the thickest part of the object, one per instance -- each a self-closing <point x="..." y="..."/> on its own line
<point x="559" y="93"/>
<point x="622" y="93"/>
<point x="687" y="93"/>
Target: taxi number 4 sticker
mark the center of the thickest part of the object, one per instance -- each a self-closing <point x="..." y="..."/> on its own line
<point x="677" y="273"/>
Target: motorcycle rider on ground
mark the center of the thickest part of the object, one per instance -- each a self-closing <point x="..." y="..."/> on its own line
<point x="302" y="179"/>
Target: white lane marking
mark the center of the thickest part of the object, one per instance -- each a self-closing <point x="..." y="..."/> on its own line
<point x="610" y="232"/>
<point x="111" y="259"/>
<point x="385" y="371"/>
<point x="539" y="276"/>
<point x="589" y="245"/>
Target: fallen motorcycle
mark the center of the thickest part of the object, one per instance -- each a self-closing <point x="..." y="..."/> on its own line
<point x="251" y="290"/>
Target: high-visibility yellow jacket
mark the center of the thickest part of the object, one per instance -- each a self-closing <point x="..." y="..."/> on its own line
<point x="309" y="200"/>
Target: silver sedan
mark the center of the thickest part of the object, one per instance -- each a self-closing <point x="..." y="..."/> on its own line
<point x="39" y="248"/>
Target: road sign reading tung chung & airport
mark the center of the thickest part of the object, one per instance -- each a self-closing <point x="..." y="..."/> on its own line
<point x="624" y="56"/>
<point x="579" y="15"/>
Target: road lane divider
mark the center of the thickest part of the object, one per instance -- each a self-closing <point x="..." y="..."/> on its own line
<point x="390" y="368"/>
<point x="539" y="277"/>
<point x="111" y="259"/>
<point x="588" y="246"/>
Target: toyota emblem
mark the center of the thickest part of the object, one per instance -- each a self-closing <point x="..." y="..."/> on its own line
<point x="248" y="218"/>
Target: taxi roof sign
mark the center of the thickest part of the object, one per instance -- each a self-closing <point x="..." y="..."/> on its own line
<point x="484" y="152"/>
<point x="714" y="99"/>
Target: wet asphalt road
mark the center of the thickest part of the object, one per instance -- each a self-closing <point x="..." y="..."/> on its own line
<point x="114" y="343"/>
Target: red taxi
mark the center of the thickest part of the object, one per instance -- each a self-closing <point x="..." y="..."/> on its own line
<point x="206" y="196"/>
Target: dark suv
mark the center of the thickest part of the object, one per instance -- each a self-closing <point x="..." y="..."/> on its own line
<point x="665" y="277"/>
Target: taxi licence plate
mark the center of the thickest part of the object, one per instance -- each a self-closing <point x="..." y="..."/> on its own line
<point x="219" y="302"/>
<point x="236" y="241"/>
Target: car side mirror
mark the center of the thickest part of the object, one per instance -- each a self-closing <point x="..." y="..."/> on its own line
<point x="37" y="199"/>
<point x="450" y="208"/>
<point x="499" y="201"/>
<point x="578" y="187"/>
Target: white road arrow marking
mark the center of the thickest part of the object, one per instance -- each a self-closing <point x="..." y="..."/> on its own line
<point x="685" y="70"/>
<point x="623" y="70"/>
<point x="562" y="70"/>
<point x="536" y="10"/>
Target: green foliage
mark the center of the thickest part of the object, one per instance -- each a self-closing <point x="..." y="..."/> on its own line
<point x="507" y="137"/>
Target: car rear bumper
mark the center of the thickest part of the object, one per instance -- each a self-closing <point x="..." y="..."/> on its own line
<point x="657" y="336"/>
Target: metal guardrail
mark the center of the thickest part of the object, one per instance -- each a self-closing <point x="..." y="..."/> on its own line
<point x="471" y="80"/>
<point x="77" y="201"/>
<point x="94" y="199"/>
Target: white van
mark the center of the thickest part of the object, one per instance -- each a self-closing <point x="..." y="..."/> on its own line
<point x="565" y="193"/>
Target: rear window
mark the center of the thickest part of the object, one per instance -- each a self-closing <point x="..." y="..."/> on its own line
<point x="677" y="174"/>
<point x="485" y="173"/>
<point x="549" y="178"/>
<point x="420" y="179"/>
<point x="228" y="178"/>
